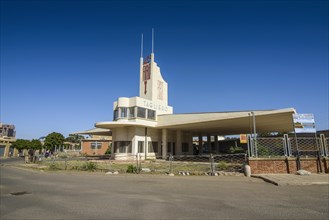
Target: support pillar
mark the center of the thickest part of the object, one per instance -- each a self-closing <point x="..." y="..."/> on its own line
<point x="164" y="143"/>
<point x="178" y="142"/>
<point x="216" y="144"/>
<point x="190" y="143"/>
<point x="200" y="145"/>
<point x="209" y="143"/>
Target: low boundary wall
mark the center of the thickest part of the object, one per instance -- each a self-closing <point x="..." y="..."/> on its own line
<point x="287" y="165"/>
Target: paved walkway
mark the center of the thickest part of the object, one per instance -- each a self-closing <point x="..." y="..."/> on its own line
<point x="294" y="179"/>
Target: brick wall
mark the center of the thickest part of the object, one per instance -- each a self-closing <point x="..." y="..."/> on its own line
<point x="86" y="147"/>
<point x="289" y="165"/>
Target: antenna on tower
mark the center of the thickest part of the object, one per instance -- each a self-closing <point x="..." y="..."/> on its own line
<point x="152" y="40"/>
<point x="142" y="46"/>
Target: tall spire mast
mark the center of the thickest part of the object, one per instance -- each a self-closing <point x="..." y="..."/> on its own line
<point x="142" y="46"/>
<point x="152" y="40"/>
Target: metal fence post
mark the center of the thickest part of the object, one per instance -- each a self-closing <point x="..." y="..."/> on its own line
<point x="251" y="147"/>
<point x="110" y="167"/>
<point x="171" y="158"/>
<point x="137" y="163"/>
<point x="212" y="165"/>
<point x="323" y="146"/>
<point x="287" y="145"/>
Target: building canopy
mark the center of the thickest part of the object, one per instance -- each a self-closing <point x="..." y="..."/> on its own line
<point x="218" y="123"/>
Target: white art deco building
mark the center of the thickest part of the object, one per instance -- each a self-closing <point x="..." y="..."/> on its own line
<point x="146" y="124"/>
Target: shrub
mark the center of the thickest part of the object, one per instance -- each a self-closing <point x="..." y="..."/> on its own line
<point x="53" y="166"/>
<point x="222" y="165"/>
<point x="235" y="150"/>
<point x="108" y="151"/>
<point x="131" y="169"/>
<point x="89" y="166"/>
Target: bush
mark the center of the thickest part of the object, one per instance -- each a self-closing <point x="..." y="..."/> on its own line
<point x="53" y="166"/>
<point x="89" y="166"/>
<point x="131" y="169"/>
<point x="235" y="150"/>
<point x="108" y="151"/>
<point x="222" y="165"/>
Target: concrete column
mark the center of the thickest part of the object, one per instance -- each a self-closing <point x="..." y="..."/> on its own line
<point x="200" y="145"/>
<point x="216" y="144"/>
<point x="134" y="146"/>
<point x="119" y="112"/>
<point x="209" y="143"/>
<point x="135" y="111"/>
<point x="190" y="144"/>
<point x="6" y="153"/>
<point x="178" y="142"/>
<point x="164" y="143"/>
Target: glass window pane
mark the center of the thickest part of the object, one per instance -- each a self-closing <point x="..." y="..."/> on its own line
<point x="151" y="114"/>
<point x="115" y="115"/>
<point x="141" y="112"/>
<point x="169" y="147"/>
<point x="128" y="147"/>
<point x="132" y="112"/>
<point x="185" y="147"/>
<point x="140" y="146"/>
<point x="153" y="147"/>
<point x="123" y="112"/>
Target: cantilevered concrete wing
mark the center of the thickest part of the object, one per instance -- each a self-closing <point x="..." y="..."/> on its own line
<point x="226" y="123"/>
<point x="96" y="131"/>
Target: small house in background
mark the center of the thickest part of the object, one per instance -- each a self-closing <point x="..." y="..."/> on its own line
<point x="99" y="142"/>
<point x="7" y="137"/>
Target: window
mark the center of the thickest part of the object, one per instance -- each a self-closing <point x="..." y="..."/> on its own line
<point x="95" y="145"/>
<point x="122" y="147"/>
<point x="153" y="147"/>
<point x="132" y="112"/>
<point x="140" y="146"/>
<point x="141" y="112"/>
<point x="151" y="114"/>
<point x="185" y="147"/>
<point x="123" y="112"/>
<point x="169" y="147"/>
<point x="115" y="115"/>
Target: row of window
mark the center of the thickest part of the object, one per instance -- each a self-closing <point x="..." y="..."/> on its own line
<point x="126" y="147"/>
<point x="171" y="147"/>
<point x="133" y="112"/>
<point x="95" y="145"/>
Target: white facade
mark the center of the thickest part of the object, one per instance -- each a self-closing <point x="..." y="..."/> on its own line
<point x="135" y="119"/>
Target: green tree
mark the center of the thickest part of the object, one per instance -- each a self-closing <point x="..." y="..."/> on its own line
<point x="21" y="144"/>
<point x="36" y="144"/>
<point x="54" y="139"/>
<point x="74" y="138"/>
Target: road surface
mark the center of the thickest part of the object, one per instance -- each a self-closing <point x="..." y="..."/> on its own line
<point x="29" y="194"/>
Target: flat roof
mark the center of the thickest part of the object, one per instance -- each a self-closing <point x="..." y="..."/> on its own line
<point x="221" y="123"/>
<point x="96" y="131"/>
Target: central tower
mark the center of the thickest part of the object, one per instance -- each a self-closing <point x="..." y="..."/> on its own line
<point x="152" y="86"/>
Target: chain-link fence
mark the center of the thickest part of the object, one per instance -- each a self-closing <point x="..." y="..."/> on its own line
<point x="305" y="146"/>
<point x="207" y="164"/>
<point x="183" y="165"/>
<point x="270" y="147"/>
<point x="264" y="147"/>
<point x="276" y="147"/>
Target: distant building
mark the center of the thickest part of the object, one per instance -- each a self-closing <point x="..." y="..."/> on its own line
<point x="7" y="137"/>
<point x="98" y="143"/>
<point x="7" y="130"/>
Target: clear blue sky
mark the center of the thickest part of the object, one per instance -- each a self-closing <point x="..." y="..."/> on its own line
<point x="63" y="63"/>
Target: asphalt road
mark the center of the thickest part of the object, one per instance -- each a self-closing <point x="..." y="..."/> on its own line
<point x="60" y="195"/>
